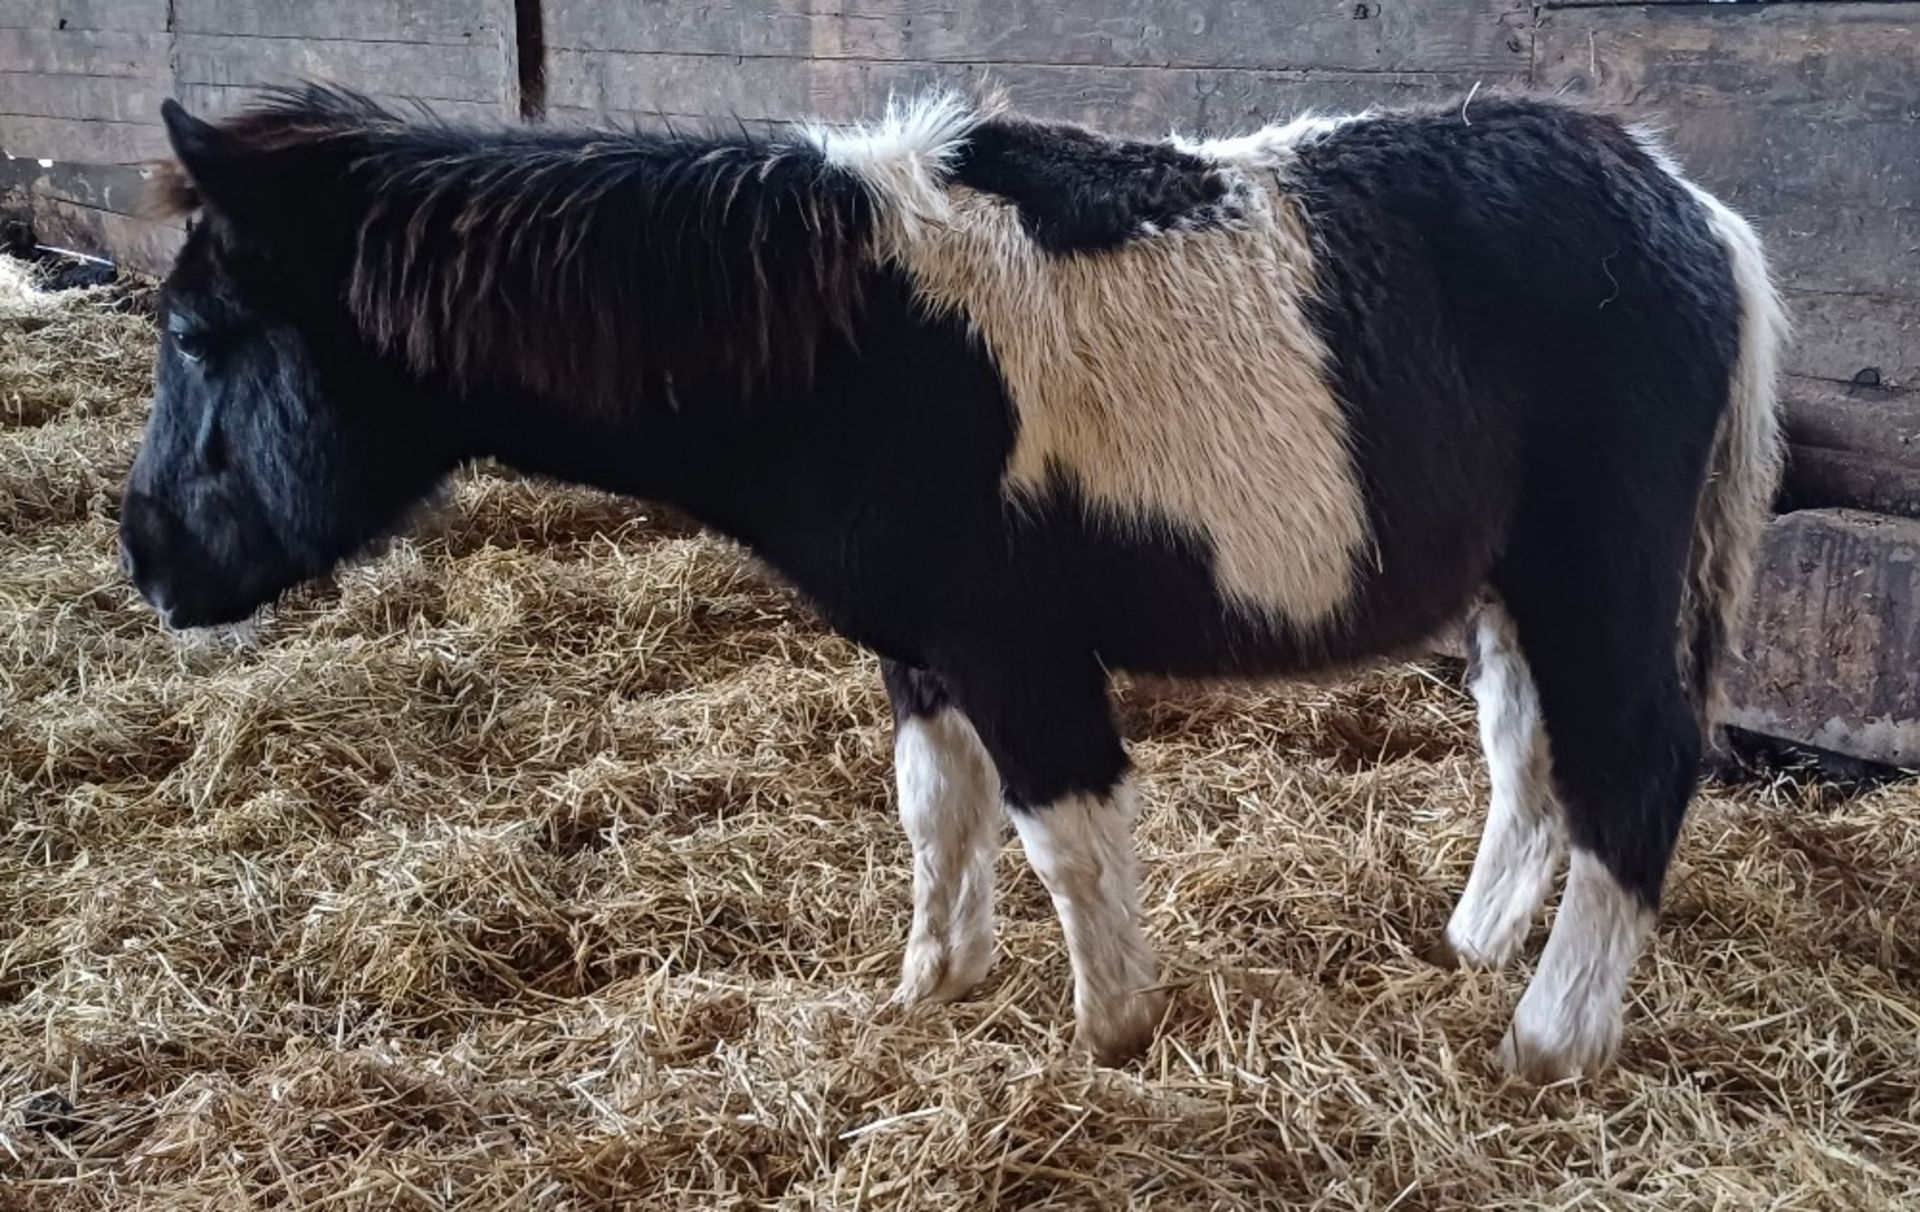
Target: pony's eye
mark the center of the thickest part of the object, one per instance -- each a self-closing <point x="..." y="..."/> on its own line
<point x="189" y="340"/>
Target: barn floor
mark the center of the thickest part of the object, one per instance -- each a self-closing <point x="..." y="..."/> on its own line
<point x="549" y="862"/>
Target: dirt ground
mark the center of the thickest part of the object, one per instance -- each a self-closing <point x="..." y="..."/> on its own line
<point x="549" y="861"/>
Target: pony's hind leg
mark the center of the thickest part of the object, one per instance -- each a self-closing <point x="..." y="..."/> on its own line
<point x="1625" y="747"/>
<point x="1521" y="845"/>
<point x="950" y="808"/>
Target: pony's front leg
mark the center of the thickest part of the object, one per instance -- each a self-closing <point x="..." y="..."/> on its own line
<point x="950" y="808"/>
<point x="1081" y="847"/>
<point x="1051" y="734"/>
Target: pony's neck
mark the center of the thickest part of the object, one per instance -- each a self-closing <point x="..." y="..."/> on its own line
<point x="604" y="274"/>
<point x="639" y="452"/>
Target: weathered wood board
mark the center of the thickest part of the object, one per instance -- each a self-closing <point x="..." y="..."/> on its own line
<point x="456" y="55"/>
<point x="1487" y="37"/>
<point x="88" y="207"/>
<point x="1830" y="645"/>
<point x="1805" y="117"/>
<point x="81" y="82"/>
<point x="1136" y="67"/>
<point x="1854" y="447"/>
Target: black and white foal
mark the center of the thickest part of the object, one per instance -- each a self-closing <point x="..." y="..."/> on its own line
<point x="1016" y="404"/>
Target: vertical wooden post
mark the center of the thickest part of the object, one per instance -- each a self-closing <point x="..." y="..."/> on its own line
<point x="528" y="58"/>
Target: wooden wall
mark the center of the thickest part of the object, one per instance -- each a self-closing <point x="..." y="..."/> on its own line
<point x="81" y="83"/>
<point x="1803" y="114"/>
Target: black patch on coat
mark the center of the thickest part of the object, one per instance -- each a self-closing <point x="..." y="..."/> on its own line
<point x="1080" y="191"/>
<point x="1534" y="330"/>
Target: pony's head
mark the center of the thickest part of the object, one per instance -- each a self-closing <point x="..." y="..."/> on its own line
<point x="360" y="297"/>
<point x="281" y="439"/>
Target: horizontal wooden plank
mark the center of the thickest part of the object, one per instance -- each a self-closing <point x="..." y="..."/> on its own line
<point x="114" y="187"/>
<point x="1827" y="60"/>
<point x="443" y="22"/>
<point x="1141" y="101"/>
<point x="136" y="16"/>
<point x="1852" y="447"/>
<point x="1803" y="117"/>
<point x="135" y="241"/>
<point x="1804" y="105"/>
<point x="216" y="99"/>
<point x="1831" y="652"/>
<point x="1842" y="336"/>
<point x="89" y="98"/>
<point x="1785" y="164"/>
<point x="90" y="141"/>
<point x="1844" y="249"/>
<point x="1820" y="479"/>
<point x="140" y="56"/>
<point x="1465" y="37"/>
<point x="464" y="72"/>
<point x="1859" y="419"/>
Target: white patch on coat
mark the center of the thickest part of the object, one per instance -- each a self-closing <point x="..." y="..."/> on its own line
<point x="950" y="807"/>
<point x="1270" y="147"/>
<point x="1520" y="848"/>
<point x="904" y="157"/>
<point x="1568" y="1021"/>
<point x="1749" y="449"/>
<point x="1081" y="847"/>
<point x="1175" y="379"/>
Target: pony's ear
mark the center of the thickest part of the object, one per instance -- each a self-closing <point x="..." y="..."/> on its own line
<point x="217" y="172"/>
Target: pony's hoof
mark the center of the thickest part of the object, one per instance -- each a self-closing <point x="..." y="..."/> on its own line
<point x="933" y="971"/>
<point x="1547" y="1053"/>
<point x="1122" y="1031"/>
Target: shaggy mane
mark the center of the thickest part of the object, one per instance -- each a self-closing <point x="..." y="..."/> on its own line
<point x="591" y="265"/>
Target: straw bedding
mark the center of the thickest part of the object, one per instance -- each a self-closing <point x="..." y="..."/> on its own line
<point x="549" y="861"/>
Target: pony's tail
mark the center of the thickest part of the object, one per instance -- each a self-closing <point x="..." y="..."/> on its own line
<point x="1743" y="471"/>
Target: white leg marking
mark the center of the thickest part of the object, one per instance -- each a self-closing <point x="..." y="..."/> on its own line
<point x="1521" y="846"/>
<point x="1568" y="1021"/>
<point x="1081" y="847"/>
<point x="950" y="807"/>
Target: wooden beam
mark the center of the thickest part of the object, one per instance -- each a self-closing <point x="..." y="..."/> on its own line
<point x="1143" y="101"/>
<point x="1462" y="37"/>
<point x="1831" y="655"/>
<point x="1857" y="448"/>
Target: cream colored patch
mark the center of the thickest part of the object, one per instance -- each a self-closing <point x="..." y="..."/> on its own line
<point x="1269" y="147"/>
<point x="1175" y="380"/>
<point x="1568" y="1021"/>
<point x="950" y="808"/>
<point x="1521" y="847"/>
<point x="1081" y="847"/>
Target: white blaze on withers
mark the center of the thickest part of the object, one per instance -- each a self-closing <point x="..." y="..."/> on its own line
<point x="1174" y="380"/>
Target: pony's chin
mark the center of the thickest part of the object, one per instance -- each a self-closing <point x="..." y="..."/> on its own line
<point x="227" y="634"/>
<point x="224" y="623"/>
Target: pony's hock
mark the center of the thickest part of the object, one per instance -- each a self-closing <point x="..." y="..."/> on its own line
<point x="1831" y="654"/>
